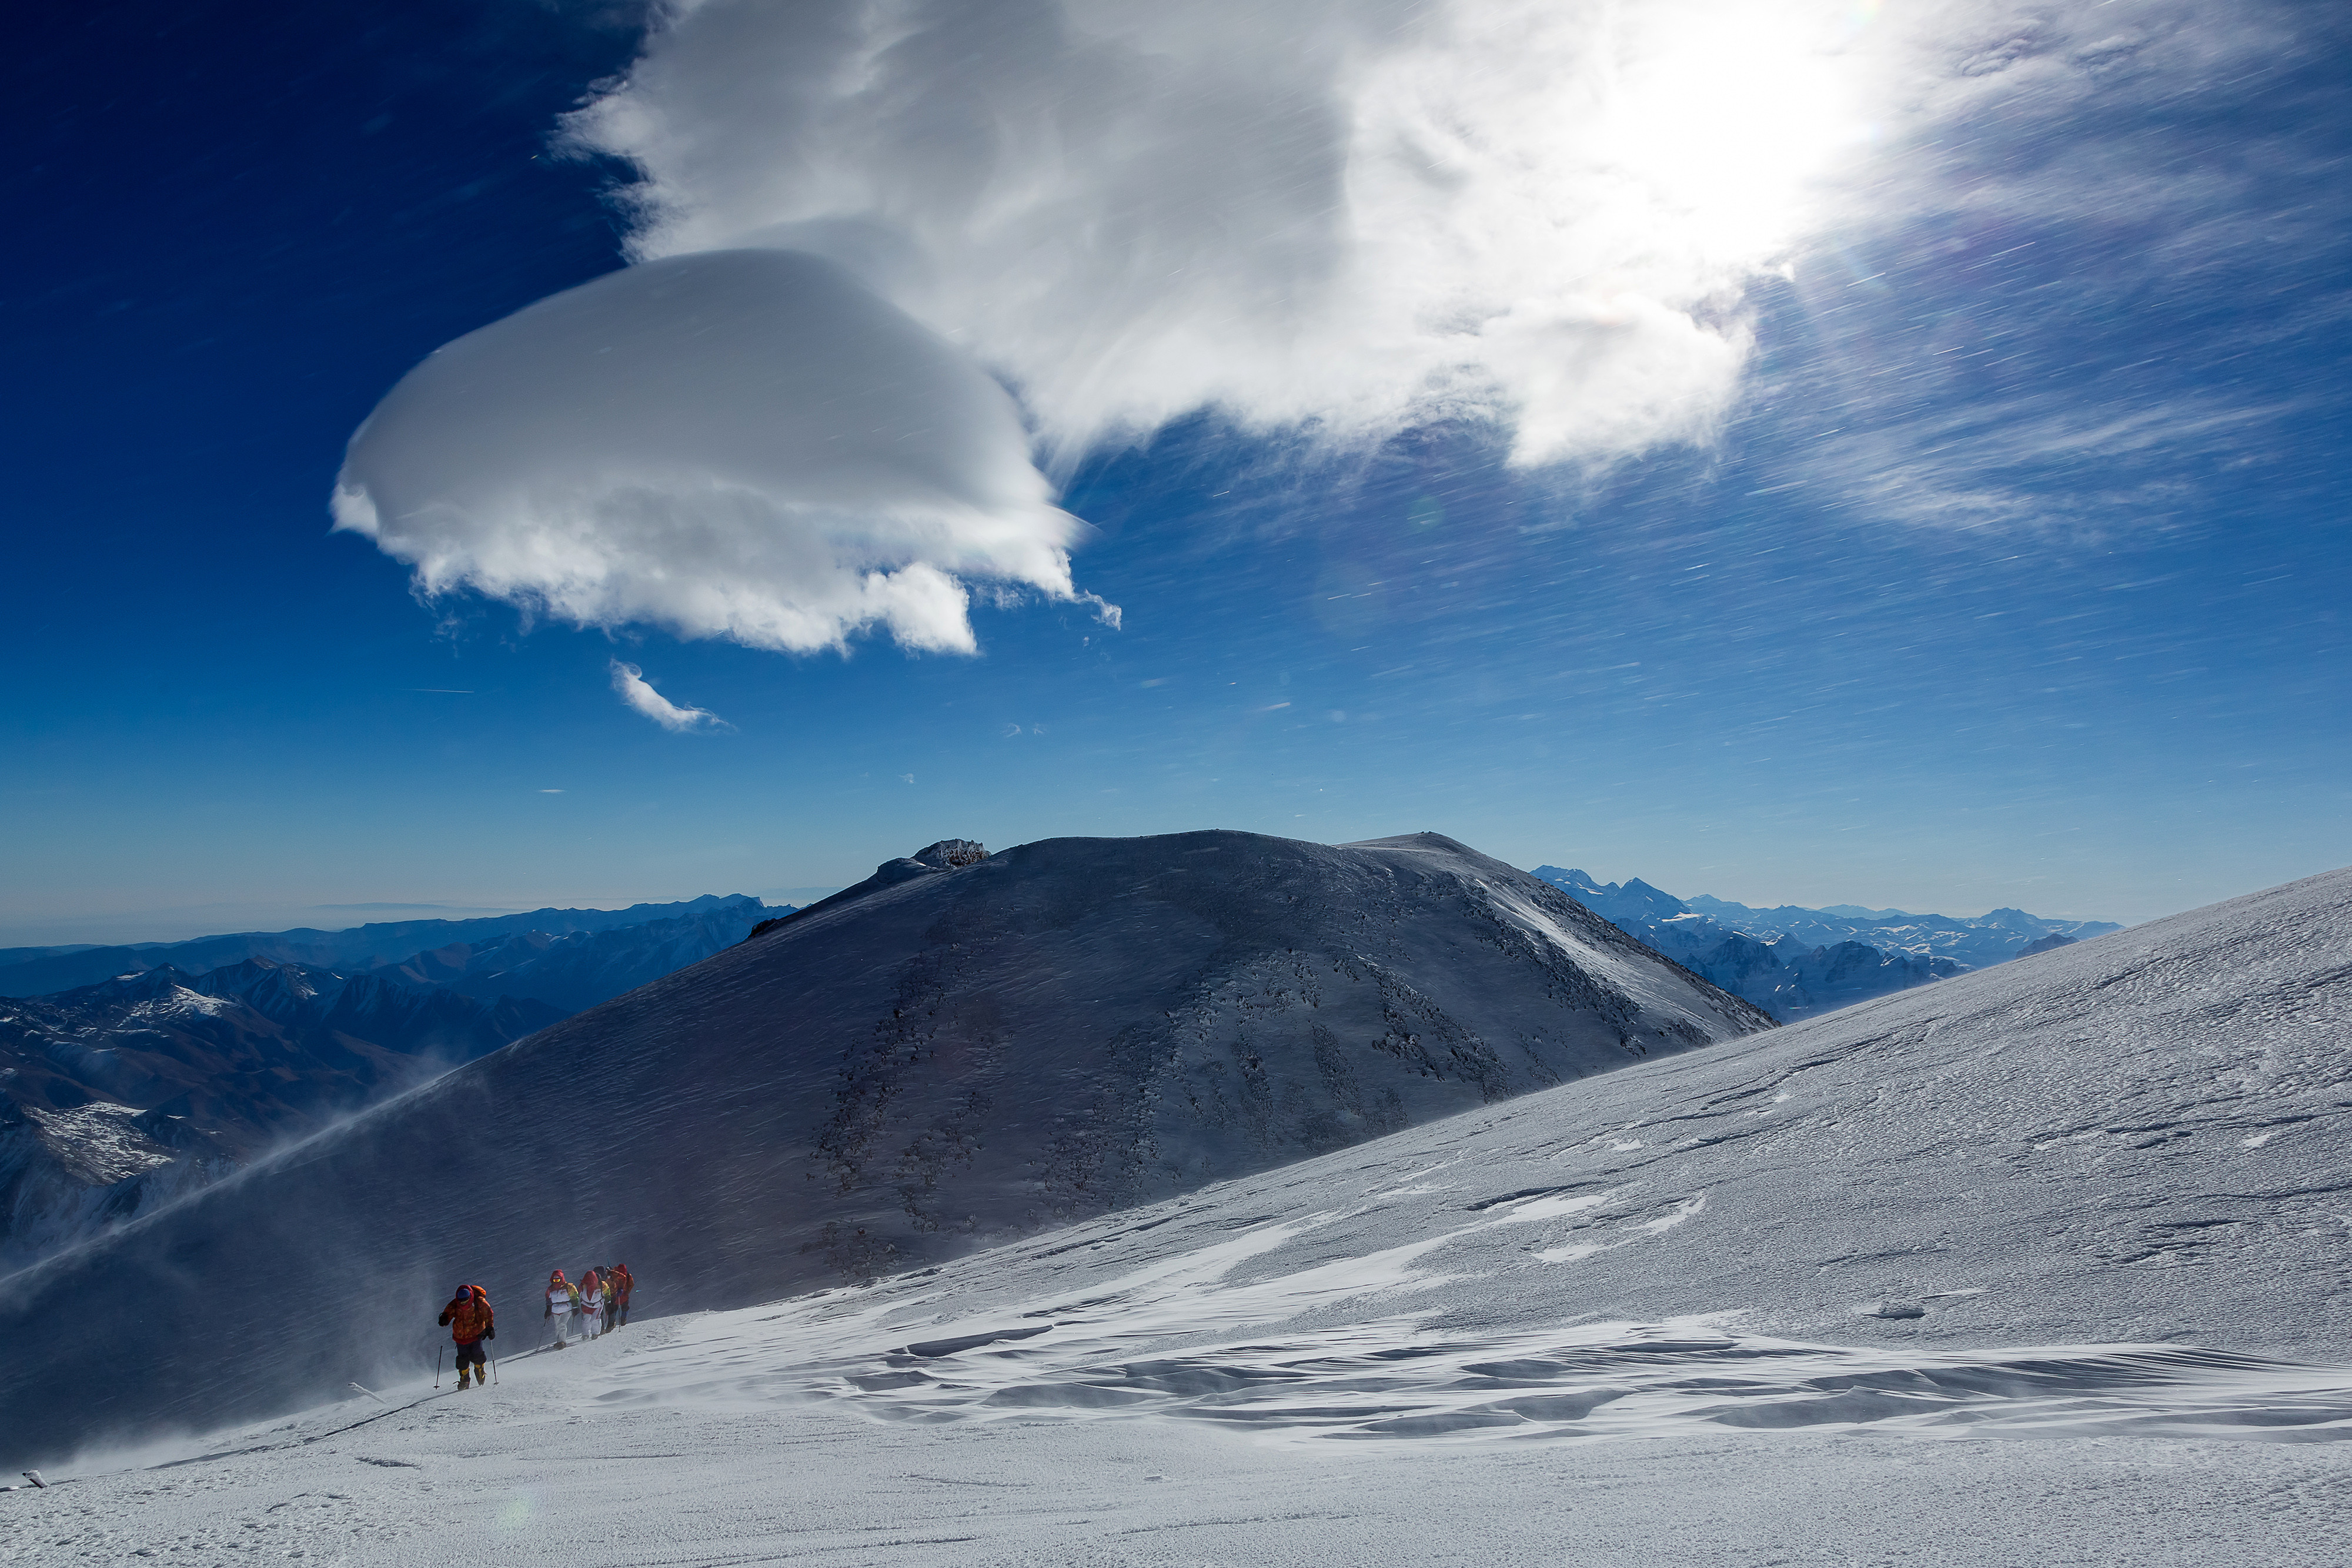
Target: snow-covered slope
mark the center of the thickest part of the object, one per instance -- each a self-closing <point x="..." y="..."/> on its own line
<point x="2096" y="1193"/>
<point x="943" y="1058"/>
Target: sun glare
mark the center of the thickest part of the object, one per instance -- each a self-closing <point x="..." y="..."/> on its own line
<point x="1727" y="114"/>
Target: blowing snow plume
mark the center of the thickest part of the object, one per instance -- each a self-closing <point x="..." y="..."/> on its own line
<point x="739" y="443"/>
<point x="945" y="1055"/>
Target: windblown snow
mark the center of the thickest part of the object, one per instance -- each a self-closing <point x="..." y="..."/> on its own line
<point x="2091" y="1204"/>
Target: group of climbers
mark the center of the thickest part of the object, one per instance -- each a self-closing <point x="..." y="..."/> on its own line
<point x="598" y="1304"/>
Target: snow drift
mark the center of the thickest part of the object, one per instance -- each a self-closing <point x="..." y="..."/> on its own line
<point x="945" y="1056"/>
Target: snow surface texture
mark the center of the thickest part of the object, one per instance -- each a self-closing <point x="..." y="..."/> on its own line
<point x="659" y="1446"/>
<point x="942" y="1058"/>
<point x="2085" y="1199"/>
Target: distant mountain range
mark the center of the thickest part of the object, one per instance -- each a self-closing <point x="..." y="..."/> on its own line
<point x="182" y="1062"/>
<point x="38" y="971"/>
<point x="1794" y="962"/>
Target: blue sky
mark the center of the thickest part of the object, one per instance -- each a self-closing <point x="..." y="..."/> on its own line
<point x="2011" y="569"/>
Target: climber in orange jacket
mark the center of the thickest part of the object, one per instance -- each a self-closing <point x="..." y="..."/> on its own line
<point x="469" y="1320"/>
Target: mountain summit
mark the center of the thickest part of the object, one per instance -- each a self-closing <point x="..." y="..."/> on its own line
<point x="946" y="1055"/>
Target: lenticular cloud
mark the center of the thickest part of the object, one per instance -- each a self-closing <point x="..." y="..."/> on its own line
<point x="738" y="444"/>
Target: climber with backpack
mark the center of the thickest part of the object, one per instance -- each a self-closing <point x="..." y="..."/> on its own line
<point x="618" y="1283"/>
<point x="591" y="1304"/>
<point x="563" y="1305"/>
<point x="469" y="1320"/>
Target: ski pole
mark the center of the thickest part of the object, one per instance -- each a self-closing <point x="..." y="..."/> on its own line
<point x="494" y="1372"/>
<point x="436" y="1365"/>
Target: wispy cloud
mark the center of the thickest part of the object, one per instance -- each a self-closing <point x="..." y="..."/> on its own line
<point x="2015" y="319"/>
<point x="630" y="682"/>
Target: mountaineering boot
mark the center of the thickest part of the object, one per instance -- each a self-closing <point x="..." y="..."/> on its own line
<point x="464" y="1372"/>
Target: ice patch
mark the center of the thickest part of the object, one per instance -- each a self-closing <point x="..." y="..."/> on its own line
<point x="1683" y="1211"/>
<point x="1548" y="1206"/>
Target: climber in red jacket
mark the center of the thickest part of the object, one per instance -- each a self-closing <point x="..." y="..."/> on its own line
<point x="469" y="1320"/>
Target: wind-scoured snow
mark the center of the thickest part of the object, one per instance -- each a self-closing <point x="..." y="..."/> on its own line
<point x="953" y="1054"/>
<point x="1915" y="1282"/>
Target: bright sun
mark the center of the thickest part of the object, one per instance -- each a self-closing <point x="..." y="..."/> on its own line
<point x="1727" y="112"/>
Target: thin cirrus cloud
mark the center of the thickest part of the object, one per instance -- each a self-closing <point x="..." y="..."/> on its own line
<point x="2013" y="317"/>
<point x="630" y="682"/>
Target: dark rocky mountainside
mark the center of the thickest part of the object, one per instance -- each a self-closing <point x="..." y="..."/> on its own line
<point x="946" y="1056"/>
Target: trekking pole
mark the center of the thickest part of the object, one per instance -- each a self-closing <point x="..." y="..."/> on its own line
<point x="494" y="1372"/>
<point x="436" y="1365"/>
